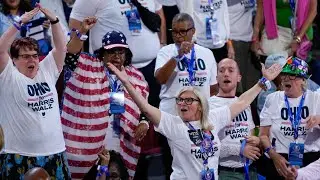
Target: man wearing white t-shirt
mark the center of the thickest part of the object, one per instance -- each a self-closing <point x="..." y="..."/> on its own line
<point x="231" y="165"/>
<point x="29" y="103"/>
<point x="184" y="64"/>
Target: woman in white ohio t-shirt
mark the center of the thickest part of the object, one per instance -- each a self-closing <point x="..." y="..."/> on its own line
<point x="29" y="102"/>
<point x="276" y="131"/>
<point x="193" y="134"/>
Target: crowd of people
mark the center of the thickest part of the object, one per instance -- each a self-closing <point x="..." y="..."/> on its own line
<point x="159" y="89"/>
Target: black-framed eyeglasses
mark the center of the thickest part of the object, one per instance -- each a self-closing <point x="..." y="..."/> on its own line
<point x="288" y="76"/>
<point x="188" y="101"/>
<point x="181" y="32"/>
<point x="29" y="56"/>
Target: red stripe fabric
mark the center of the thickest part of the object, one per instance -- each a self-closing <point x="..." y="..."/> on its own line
<point x="86" y="109"/>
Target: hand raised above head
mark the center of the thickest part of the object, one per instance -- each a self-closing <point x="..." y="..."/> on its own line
<point x="27" y="16"/>
<point x="272" y="72"/>
<point x="88" y="23"/>
<point x="51" y="16"/>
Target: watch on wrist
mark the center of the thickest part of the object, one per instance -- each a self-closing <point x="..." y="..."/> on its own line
<point x="55" y="21"/>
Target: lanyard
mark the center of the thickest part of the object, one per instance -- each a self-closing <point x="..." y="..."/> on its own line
<point x="190" y="67"/>
<point x="206" y="145"/>
<point x="296" y="119"/>
<point x="292" y="6"/>
<point x="246" y="160"/>
<point x="113" y="83"/>
<point x="211" y="8"/>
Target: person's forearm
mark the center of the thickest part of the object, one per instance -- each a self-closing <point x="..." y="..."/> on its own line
<point x="58" y="37"/>
<point x="163" y="28"/>
<point x="309" y="171"/>
<point x="7" y="38"/>
<point x="308" y="22"/>
<point x="75" y="45"/>
<point x="258" y="21"/>
<point x="244" y="100"/>
<point x="152" y="113"/>
<point x="164" y="73"/>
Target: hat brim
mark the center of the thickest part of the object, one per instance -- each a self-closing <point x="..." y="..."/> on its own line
<point x="293" y="74"/>
<point x="115" y="46"/>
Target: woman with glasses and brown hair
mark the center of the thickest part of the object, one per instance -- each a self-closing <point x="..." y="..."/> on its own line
<point x="184" y="64"/>
<point x="192" y="134"/>
<point x="287" y="123"/>
<point x="97" y="111"/>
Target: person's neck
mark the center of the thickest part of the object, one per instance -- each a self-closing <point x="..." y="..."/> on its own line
<point x="229" y="94"/>
<point x="294" y="94"/>
<point x="14" y="11"/>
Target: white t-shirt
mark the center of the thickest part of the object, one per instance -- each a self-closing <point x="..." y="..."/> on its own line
<point x="275" y="114"/>
<point x="201" y="11"/>
<point x="236" y="130"/>
<point x="187" y="157"/>
<point x="111" y="16"/>
<point x="240" y="15"/>
<point x="205" y="75"/>
<point x="30" y="112"/>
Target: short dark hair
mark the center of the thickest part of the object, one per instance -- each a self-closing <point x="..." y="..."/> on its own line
<point x="24" y="6"/>
<point x="23" y="43"/>
<point x="183" y="17"/>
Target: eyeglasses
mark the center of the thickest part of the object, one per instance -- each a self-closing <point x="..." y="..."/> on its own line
<point x="114" y="52"/>
<point x="188" y="101"/>
<point x="29" y="56"/>
<point x="288" y="76"/>
<point x="181" y="32"/>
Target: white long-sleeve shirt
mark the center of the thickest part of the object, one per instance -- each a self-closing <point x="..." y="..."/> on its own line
<point x="310" y="172"/>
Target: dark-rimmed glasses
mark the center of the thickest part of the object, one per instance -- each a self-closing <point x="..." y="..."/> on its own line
<point x="29" y="56"/>
<point x="181" y="32"/>
<point x="288" y="76"/>
<point x="188" y="101"/>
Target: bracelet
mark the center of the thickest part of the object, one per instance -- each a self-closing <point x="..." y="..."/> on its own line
<point x="264" y="83"/>
<point x="297" y="39"/>
<point x="82" y="37"/>
<point x="16" y="26"/>
<point x="144" y="122"/>
<point x="55" y="21"/>
<point x="267" y="150"/>
<point x="102" y="170"/>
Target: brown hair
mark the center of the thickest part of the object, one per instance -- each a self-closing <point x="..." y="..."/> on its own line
<point x="24" y="6"/>
<point x="26" y="43"/>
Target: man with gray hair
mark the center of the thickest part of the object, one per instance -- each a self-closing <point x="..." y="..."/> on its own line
<point x="184" y="64"/>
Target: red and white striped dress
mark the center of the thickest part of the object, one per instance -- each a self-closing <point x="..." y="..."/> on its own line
<point x="85" y="116"/>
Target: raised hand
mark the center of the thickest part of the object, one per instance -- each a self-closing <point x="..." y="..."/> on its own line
<point x="121" y="74"/>
<point x="105" y="157"/>
<point x="272" y="72"/>
<point x="185" y="48"/>
<point x="26" y="17"/>
<point x="88" y="23"/>
<point x="49" y="15"/>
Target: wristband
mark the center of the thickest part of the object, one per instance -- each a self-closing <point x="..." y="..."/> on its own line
<point x="297" y="39"/>
<point x="267" y="150"/>
<point x="102" y="170"/>
<point x="16" y="26"/>
<point x="144" y="122"/>
<point x="82" y="37"/>
<point x="178" y="59"/>
<point x="264" y="83"/>
<point x="55" y="21"/>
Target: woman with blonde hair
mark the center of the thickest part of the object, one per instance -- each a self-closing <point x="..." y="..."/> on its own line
<point x="192" y="134"/>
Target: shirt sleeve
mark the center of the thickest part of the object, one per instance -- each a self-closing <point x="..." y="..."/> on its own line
<point x="157" y="5"/>
<point x="163" y="57"/>
<point x="308" y="172"/>
<point x="6" y="76"/>
<point x="220" y="117"/>
<point x="169" y="126"/>
<point x="250" y="122"/>
<point x="229" y="149"/>
<point x="265" y="115"/>
<point x="213" y="79"/>
<point x="82" y="9"/>
<point x="48" y="65"/>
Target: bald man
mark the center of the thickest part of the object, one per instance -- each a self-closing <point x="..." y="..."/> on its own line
<point x="231" y="164"/>
<point x="37" y="173"/>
